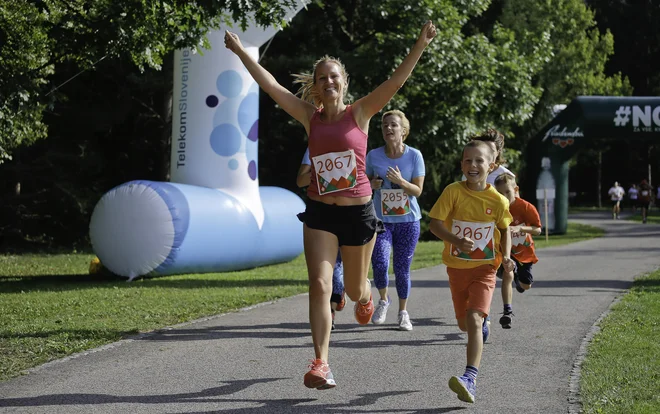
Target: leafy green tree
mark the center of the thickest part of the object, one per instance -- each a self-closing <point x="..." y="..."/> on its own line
<point x="636" y="47"/>
<point x="576" y="59"/>
<point x="465" y="81"/>
<point x="38" y="36"/>
<point x="24" y="62"/>
<point x="494" y="63"/>
<point x="575" y="66"/>
<point x="637" y="40"/>
<point x="500" y="63"/>
<point x="87" y="74"/>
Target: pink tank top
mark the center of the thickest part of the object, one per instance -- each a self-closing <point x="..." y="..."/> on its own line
<point x="337" y="152"/>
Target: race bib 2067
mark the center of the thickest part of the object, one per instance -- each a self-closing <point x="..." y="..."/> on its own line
<point x="335" y="171"/>
<point x="480" y="233"/>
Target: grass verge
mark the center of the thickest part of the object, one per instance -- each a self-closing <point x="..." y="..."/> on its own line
<point x="52" y="308"/>
<point x="653" y="216"/>
<point x="621" y="373"/>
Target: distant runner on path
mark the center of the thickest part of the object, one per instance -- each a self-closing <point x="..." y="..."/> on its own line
<point x="616" y="193"/>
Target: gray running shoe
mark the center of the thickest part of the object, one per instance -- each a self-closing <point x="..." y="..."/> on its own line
<point x="381" y="311"/>
<point x="404" y="321"/>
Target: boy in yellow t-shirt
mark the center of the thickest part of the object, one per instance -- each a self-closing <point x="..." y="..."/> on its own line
<point x="472" y="219"/>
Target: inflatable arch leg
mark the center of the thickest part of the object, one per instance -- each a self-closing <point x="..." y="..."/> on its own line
<point x="213" y="217"/>
<point x="156" y="228"/>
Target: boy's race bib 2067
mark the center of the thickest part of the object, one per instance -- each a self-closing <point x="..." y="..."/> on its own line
<point x="482" y="236"/>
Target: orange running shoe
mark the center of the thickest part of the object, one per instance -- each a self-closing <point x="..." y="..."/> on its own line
<point x="363" y="312"/>
<point x="319" y="376"/>
<point x="342" y="303"/>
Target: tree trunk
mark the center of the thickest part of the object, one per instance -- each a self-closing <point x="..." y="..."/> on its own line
<point x="649" y="164"/>
<point x="17" y="176"/>
<point x="600" y="178"/>
<point x="166" y="134"/>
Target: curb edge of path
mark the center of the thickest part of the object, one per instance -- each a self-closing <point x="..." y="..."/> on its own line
<point x="574" y="395"/>
<point x="143" y="335"/>
<point x="157" y="331"/>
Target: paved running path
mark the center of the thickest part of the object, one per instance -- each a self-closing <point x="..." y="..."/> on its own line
<point x="253" y="361"/>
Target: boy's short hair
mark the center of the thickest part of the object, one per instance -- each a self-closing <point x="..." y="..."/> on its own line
<point x="505" y="179"/>
<point x="494" y="136"/>
<point x="478" y="143"/>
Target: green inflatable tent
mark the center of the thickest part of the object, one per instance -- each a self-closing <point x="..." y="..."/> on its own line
<point x="583" y="122"/>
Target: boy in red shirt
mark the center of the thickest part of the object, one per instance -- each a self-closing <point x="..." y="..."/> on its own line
<point x="526" y="222"/>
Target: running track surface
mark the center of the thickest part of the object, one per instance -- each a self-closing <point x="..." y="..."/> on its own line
<point x="253" y="361"/>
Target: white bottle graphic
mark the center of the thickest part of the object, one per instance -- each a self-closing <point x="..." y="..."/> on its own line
<point x="545" y="188"/>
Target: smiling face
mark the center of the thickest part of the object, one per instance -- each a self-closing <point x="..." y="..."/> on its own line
<point x="393" y="130"/>
<point x="329" y="81"/>
<point x="477" y="163"/>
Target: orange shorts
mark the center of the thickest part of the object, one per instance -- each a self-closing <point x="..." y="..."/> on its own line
<point x="471" y="289"/>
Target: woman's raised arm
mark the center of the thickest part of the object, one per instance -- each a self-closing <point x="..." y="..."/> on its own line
<point x="371" y="104"/>
<point x="300" y="110"/>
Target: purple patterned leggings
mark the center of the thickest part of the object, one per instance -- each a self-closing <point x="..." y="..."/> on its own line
<point x="402" y="238"/>
<point x="337" y="280"/>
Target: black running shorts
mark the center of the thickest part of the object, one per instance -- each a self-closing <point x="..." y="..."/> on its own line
<point x="353" y="225"/>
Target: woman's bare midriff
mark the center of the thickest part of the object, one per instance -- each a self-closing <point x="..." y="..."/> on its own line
<point x="340" y="201"/>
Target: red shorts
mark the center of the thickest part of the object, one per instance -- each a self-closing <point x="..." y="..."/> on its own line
<point x="472" y="289"/>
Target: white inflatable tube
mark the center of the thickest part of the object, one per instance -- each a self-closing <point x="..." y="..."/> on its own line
<point x="213" y="217"/>
<point x="155" y="228"/>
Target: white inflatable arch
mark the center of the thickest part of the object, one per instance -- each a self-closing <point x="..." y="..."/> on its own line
<point x="212" y="216"/>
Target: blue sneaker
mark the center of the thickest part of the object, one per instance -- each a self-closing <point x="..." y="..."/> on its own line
<point x="506" y="319"/>
<point x="516" y="282"/>
<point x="485" y="328"/>
<point x="500" y="272"/>
<point x="464" y="387"/>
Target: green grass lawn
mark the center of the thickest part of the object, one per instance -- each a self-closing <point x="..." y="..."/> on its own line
<point x="621" y="373"/>
<point x="52" y="308"/>
<point x="587" y="209"/>
<point x="652" y="217"/>
<point x="575" y="232"/>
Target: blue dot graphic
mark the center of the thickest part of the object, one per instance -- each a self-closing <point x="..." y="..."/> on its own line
<point x="229" y="83"/>
<point x="226" y="140"/>
<point x="251" y="150"/>
<point x="253" y="135"/>
<point x="225" y="112"/>
<point x="212" y="101"/>
<point x="233" y="164"/>
<point x="248" y="112"/>
<point x="252" y="170"/>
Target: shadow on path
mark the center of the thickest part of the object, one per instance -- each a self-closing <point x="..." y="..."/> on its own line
<point x="211" y="395"/>
<point x="540" y="284"/>
<point x="291" y="330"/>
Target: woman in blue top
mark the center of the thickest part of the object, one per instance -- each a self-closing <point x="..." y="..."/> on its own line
<point x="338" y="297"/>
<point x="397" y="174"/>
